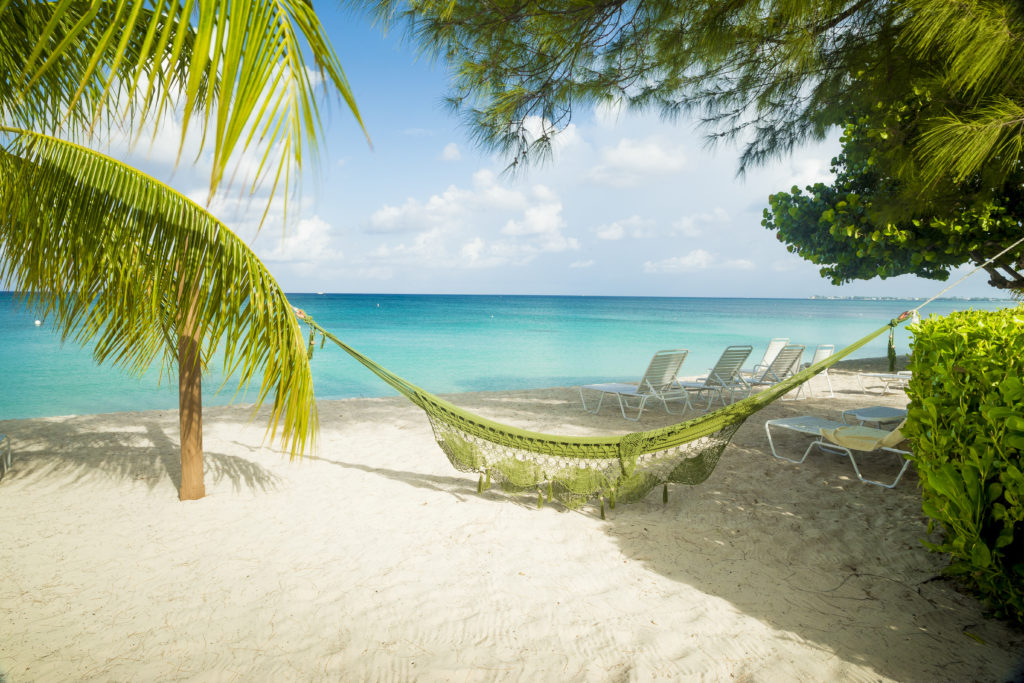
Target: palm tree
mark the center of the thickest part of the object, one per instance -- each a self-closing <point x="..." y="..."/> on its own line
<point x="120" y="260"/>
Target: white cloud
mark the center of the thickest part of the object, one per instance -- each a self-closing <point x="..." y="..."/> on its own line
<point x="450" y="209"/>
<point x="309" y="241"/>
<point x="472" y="250"/>
<point x="479" y="253"/>
<point x="315" y="79"/>
<point x="537" y="220"/>
<point x="451" y="152"/>
<point x="634" y="226"/>
<point x="491" y="196"/>
<point x="609" y="114"/>
<point x="698" y="259"/>
<point x="785" y="266"/>
<point x="561" y="138"/>
<point x="806" y="171"/>
<point x="440" y="209"/>
<point x="631" y="161"/>
<point x="582" y="264"/>
<point x="740" y="264"/>
<point x="487" y="225"/>
<point x="425" y="247"/>
<point x="689" y="226"/>
<point x="613" y="231"/>
<point x="543" y="222"/>
<point x="686" y="226"/>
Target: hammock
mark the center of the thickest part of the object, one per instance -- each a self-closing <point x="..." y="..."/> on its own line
<point x="576" y="470"/>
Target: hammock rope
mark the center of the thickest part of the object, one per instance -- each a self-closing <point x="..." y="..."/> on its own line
<point x="623" y="468"/>
<point x="576" y="470"/>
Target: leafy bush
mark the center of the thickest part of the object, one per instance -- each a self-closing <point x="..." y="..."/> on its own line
<point x="966" y="424"/>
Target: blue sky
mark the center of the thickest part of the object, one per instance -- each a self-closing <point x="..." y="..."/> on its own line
<point x="631" y="204"/>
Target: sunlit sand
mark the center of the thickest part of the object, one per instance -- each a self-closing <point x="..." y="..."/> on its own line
<point x="374" y="559"/>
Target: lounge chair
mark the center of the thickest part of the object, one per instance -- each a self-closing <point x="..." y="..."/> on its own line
<point x="659" y="382"/>
<point x="5" y="454"/>
<point x="726" y="375"/>
<point x="821" y="352"/>
<point x="889" y="380"/>
<point x="774" y="346"/>
<point x="786" y="363"/>
<point x="842" y="439"/>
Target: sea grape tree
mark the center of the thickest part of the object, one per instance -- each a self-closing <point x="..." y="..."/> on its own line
<point x="878" y="219"/>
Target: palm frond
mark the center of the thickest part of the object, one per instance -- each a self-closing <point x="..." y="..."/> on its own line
<point x="113" y="257"/>
<point x="237" y="69"/>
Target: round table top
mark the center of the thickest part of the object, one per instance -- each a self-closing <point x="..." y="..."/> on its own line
<point x="879" y="414"/>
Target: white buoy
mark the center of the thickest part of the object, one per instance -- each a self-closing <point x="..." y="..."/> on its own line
<point x="38" y="323"/>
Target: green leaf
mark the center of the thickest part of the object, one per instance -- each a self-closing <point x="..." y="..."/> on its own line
<point x="980" y="555"/>
<point x="246" y="81"/>
<point x="132" y="259"/>
<point x="1014" y="441"/>
<point x="994" y="491"/>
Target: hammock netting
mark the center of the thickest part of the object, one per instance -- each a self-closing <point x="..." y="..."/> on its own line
<point x="578" y="470"/>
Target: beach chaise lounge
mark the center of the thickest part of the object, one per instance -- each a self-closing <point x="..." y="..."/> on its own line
<point x="725" y="376"/>
<point x="889" y="380"/>
<point x="774" y="346"/>
<point x="821" y="352"/>
<point x="786" y="363"/>
<point x="659" y="382"/>
<point x="842" y="439"/>
<point x="5" y="454"/>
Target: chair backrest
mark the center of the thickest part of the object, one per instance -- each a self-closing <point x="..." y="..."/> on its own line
<point x="822" y="351"/>
<point x="663" y="370"/>
<point x="774" y="346"/>
<point x="727" y="369"/>
<point x="784" y="365"/>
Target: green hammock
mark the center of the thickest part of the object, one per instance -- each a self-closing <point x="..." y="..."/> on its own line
<point x="576" y="470"/>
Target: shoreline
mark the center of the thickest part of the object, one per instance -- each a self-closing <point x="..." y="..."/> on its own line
<point x="374" y="558"/>
<point x="870" y="364"/>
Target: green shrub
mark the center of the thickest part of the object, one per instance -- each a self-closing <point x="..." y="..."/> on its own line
<point x="966" y="424"/>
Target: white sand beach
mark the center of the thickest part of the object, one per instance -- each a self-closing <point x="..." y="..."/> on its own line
<point x="375" y="560"/>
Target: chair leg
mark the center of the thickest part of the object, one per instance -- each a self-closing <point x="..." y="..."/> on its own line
<point x="771" y="445"/>
<point x="685" y="398"/>
<point x="595" y="410"/>
<point x="717" y="391"/>
<point x="796" y="394"/>
<point x="906" y="464"/>
<point x="699" y="392"/>
<point x="623" y="403"/>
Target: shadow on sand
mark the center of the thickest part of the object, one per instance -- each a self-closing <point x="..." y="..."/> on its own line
<point x="859" y="585"/>
<point x="83" y="447"/>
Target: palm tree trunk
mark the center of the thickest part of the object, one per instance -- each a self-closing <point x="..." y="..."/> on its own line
<point x="190" y="408"/>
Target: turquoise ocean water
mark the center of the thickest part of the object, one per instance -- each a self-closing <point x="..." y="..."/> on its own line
<point x="460" y="343"/>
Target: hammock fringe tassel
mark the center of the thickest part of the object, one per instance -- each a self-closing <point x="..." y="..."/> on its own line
<point x="582" y="470"/>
